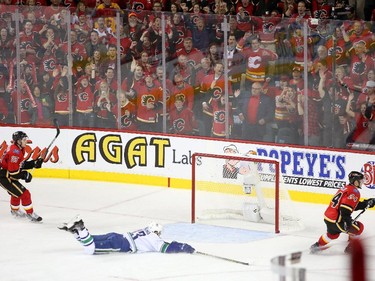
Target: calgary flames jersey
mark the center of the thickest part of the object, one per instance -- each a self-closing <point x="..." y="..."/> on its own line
<point x="346" y="197"/>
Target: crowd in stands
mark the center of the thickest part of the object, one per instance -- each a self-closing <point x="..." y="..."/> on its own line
<point x="95" y="84"/>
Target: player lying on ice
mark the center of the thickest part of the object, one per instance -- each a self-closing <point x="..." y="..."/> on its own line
<point x="139" y="241"/>
<point x="337" y="216"/>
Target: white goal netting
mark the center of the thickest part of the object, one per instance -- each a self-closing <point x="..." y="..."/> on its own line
<point x="246" y="188"/>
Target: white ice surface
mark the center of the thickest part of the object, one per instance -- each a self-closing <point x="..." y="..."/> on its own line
<point x="41" y="252"/>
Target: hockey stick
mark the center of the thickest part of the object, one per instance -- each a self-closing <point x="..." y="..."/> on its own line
<point x="364" y="210"/>
<point x="57" y="134"/>
<point x="221" y="258"/>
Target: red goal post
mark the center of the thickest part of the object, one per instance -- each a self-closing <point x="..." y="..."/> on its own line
<point x="238" y="157"/>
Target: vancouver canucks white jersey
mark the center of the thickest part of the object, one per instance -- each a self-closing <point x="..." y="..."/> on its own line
<point x="144" y="241"/>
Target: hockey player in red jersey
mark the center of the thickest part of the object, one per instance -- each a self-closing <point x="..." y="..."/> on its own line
<point x="338" y="214"/>
<point x="13" y="168"/>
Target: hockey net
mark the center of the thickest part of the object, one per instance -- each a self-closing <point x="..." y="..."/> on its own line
<point x="245" y="188"/>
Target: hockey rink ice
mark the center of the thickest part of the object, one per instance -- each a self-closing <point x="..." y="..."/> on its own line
<point x="41" y="252"/>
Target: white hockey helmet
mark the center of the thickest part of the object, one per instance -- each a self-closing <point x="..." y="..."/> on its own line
<point x="155" y="228"/>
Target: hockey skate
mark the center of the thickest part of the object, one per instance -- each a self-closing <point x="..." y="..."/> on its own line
<point x="17" y="213"/>
<point x="315" y="248"/>
<point x="34" y="217"/>
<point x="73" y="225"/>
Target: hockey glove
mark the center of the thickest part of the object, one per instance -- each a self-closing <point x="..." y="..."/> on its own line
<point x="38" y="163"/>
<point x="176" y="247"/>
<point x="26" y="176"/>
<point x="370" y="202"/>
<point x="186" y="248"/>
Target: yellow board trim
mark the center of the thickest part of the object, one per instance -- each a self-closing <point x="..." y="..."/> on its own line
<point x="298" y="196"/>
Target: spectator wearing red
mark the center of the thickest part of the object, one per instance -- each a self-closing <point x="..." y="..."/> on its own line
<point x="182" y="89"/>
<point x="361" y="133"/>
<point x="128" y="111"/>
<point x="22" y="99"/>
<point x="134" y="28"/>
<point x="256" y="111"/>
<point x="62" y="98"/>
<point x="359" y="32"/>
<point x="140" y="5"/>
<point x="125" y="43"/>
<point x="52" y="12"/>
<point x="257" y="59"/>
<point x="320" y="9"/>
<point x="296" y="43"/>
<point x="109" y="78"/>
<point x="184" y="68"/>
<point x="181" y="118"/>
<point x="286" y="114"/>
<point x="160" y="78"/>
<point x="149" y="104"/>
<point x="338" y="45"/>
<point x="244" y="19"/>
<point x="217" y="109"/>
<point x="193" y="55"/>
<point x="134" y="82"/>
<point x="302" y="13"/>
<point x="287" y="8"/>
<point x="297" y="79"/>
<point x="82" y="27"/>
<point x="6" y="46"/>
<point x="213" y="86"/>
<point x="78" y="51"/>
<point x="84" y="103"/>
<point x="105" y="101"/>
<point x="344" y="84"/>
<point x="177" y="32"/>
<point x="246" y="6"/>
<point x="361" y="63"/>
<point x="30" y="40"/>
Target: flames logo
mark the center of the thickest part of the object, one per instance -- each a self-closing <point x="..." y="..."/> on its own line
<point x="138" y="7"/>
<point x="49" y="64"/>
<point x="268" y="28"/>
<point x="83" y="96"/>
<point x="339" y="51"/>
<point x="67" y="4"/>
<point x="147" y="99"/>
<point x="359" y="68"/>
<point x="194" y="19"/>
<point x="126" y="121"/>
<point x="219" y="116"/>
<point x="254" y="62"/>
<point x="217" y="92"/>
<point x="179" y="125"/>
<point x="181" y="36"/>
<point x="25" y="104"/>
<point x="62" y="96"/>
<point x="321" y="14"/>
<point x="27" y="45"/>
